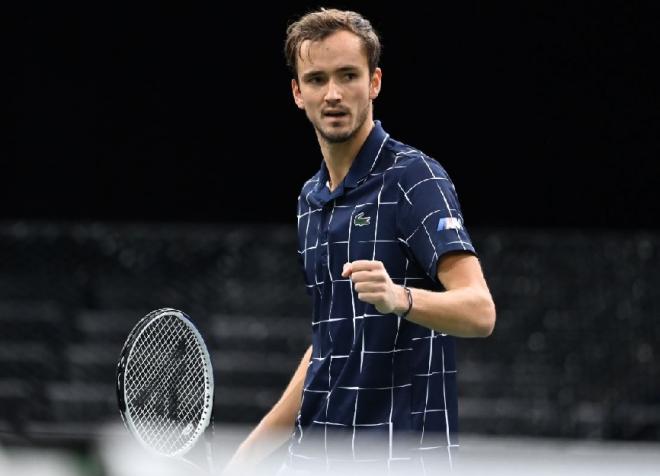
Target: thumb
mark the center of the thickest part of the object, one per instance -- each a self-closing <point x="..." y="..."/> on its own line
<point x="346" y="271"/>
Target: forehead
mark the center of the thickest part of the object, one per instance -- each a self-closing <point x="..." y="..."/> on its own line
<point x="338" y="50"/>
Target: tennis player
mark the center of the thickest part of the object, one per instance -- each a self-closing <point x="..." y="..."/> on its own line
<point x="391" y="269"/>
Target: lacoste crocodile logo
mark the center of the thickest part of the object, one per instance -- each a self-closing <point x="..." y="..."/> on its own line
<point x="361" y="220"/>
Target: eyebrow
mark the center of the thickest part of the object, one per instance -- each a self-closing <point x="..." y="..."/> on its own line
<point x="343" y="69"/>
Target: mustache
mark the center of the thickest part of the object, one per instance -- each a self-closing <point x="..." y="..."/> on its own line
<point x="334" y="110"/>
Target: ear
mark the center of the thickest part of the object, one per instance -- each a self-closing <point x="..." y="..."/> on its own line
<point x="297" y="97"/>
<point x="374" y="87"/>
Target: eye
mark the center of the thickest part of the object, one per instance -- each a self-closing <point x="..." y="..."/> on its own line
<point x="350" y="76"/>
<point x="315" y="80"/>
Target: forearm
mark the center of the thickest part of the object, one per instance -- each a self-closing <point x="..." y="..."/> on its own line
<point x="461" y="312"/>
<point x="278" y="423"/>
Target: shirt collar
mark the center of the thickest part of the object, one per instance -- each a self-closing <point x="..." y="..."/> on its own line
<point x="367" y="157"/>
<point x="363" y="164"/>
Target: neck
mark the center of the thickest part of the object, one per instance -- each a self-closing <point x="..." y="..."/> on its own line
<point x="339" y="157"/>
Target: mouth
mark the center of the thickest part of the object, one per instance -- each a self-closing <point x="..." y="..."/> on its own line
<point x="335" y="114"/>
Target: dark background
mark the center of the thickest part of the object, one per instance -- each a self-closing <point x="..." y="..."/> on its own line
<point x="155" y="157"/>
<point x="544" y="115"/>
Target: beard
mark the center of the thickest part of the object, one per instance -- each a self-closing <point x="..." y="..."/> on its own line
<point x="337" y="137"/>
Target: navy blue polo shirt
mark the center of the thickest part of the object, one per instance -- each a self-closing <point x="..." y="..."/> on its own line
<point x="370" y="370"/>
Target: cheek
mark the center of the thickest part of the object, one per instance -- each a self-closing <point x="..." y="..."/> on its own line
<point x="364" y="95"/>
<point x="309" y="101"/>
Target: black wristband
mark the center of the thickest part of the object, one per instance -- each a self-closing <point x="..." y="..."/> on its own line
<point x="410" y="301"/>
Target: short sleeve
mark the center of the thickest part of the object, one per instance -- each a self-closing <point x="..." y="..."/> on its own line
<point x="429" y="215"/>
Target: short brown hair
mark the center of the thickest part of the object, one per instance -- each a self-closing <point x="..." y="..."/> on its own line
<point x="322" y="23"/>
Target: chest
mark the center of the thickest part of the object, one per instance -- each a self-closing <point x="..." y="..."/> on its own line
<point x="359" y="225"/>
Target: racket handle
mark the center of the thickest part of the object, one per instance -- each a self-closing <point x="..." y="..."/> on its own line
<point x="209" y="435"/>
<point x="209" y="457"/>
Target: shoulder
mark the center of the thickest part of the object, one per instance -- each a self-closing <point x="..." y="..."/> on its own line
<point x="309" y="185"/>
<point x="411" y="165"/>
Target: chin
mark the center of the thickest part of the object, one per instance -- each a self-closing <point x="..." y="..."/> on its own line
<point x="338" y="139"/>
<point x="336" y="136"/>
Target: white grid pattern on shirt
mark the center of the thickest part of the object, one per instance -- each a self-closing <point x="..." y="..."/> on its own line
<point x="355" y="316"/>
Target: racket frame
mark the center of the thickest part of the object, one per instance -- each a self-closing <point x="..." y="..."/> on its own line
<point x="125" y="358"/>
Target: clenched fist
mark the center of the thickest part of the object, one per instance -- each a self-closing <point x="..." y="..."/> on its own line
<point x="374" y="286"/>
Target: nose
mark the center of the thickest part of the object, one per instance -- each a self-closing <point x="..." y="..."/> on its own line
<point x="333" y="94"/>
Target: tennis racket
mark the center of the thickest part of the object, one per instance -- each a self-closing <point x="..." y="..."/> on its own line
<point x="165" y="385"/>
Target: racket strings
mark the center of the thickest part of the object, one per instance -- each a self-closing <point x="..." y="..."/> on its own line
<point x="166" y="385"/>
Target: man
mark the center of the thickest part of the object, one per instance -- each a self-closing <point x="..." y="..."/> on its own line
<point x="389" y="265"/>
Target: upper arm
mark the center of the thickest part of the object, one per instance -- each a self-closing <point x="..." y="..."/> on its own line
<point x="461" y="270"/>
